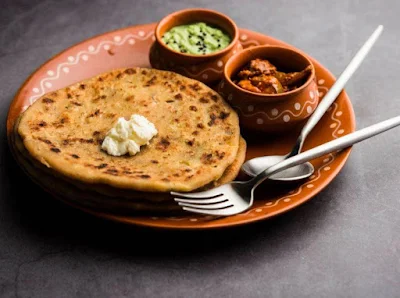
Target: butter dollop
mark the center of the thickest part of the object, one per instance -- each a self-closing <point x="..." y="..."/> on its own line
<point x="128" y="135"/>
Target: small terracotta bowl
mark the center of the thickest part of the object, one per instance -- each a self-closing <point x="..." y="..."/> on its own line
<point x="270" y="112"/>
<point x="206" y="68"/>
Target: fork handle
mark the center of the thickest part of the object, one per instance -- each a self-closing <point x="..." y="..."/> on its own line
<point x="335" y="145"/>
<point x="332" y="94"/>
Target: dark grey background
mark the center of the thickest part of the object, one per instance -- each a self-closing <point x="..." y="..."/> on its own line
<point x="343" y="243"/>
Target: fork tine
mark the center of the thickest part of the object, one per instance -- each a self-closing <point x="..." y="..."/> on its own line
<point x="218" y="212"/>
<point x="216" y="206"/>
<point x="198" y="195"/>
<point x="219" y="199"/>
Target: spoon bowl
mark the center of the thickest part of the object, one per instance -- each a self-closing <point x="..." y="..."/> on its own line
<point x="257" y="165"/>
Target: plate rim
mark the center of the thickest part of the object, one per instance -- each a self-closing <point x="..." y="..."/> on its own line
<point x="159" y="225"/>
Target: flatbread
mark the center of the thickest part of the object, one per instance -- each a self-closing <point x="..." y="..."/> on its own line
<point x="230" y="173"/>
<point x="198" y="132"/>
<point x="91" y="198"/>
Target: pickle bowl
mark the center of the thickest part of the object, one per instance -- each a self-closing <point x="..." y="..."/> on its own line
<point x="207" y="68"/>
<point x="270" y="113"/>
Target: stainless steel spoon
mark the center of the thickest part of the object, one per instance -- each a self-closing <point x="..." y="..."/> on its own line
<point x="256" y="165"/>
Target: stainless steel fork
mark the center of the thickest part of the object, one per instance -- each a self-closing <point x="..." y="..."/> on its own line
<point x="238" y="196"/>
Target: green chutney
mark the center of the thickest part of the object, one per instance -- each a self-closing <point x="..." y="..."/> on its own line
<point x="197" y="39"/>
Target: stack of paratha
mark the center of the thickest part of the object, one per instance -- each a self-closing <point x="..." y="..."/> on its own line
<point x="198" y="145"/>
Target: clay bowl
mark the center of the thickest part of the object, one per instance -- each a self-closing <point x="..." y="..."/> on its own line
<point x="206" y="68"/>
<point x="272" y="113"/>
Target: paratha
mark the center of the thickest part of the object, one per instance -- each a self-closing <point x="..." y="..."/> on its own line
<point x="198" y="132"/>
<point x="76" y="194"/>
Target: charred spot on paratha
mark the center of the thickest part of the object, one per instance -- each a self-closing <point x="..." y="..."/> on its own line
<point x="98" y="98"/>
<point x="190" y="142"/>
<point x="75" y="103"/>
<point x="206" y="158"/>
<point x="130" y="71"/>
<point x="98" y="137"/>
<point x="223" y="115"/>
<point x="130" y="98"/>
<point x="46" y="141"/>
<point x="63" y="119"/>
<point x="204" y="100"/>
<point x="213" y="117"/>
<point x="47" y="100"/>
<point x="195" y="86"/>
<point x="70" y="141"/>
<point x="178" y="96"/>
<point x="110" y="115"/>
<point x="42" y="123"/>
<point x="213" y="97"/>
<point x="96" y="113"/>
<point x="151" y="82"/>
<point x="189" y="177"/>
<point x="220" y="155"/>
<point x="210" y="158"/>
<point x="163" y="144"/>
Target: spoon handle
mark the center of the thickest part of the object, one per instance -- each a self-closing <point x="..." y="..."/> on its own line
<point x="331" y="146"/>
<point x="334" y="91"/>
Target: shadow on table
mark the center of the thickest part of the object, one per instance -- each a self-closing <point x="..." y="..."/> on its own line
<point x="60" y="227"/>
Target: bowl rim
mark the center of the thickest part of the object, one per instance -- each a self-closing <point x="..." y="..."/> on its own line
<point x="277" y="96"/>
<point x="218" y="14"/>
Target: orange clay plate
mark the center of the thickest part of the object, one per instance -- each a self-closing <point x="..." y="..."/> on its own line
<point x="130" y="47"/>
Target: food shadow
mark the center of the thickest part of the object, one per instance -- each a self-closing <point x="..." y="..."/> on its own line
<point x="42" y="218"/>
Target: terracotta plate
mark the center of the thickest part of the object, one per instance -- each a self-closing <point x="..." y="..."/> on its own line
<point x="130" y="47"/>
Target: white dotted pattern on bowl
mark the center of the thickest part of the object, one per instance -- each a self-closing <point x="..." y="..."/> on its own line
<point x="274" y="113"/>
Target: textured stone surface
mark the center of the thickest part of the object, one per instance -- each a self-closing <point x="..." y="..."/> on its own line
<point x="343" y="243"/>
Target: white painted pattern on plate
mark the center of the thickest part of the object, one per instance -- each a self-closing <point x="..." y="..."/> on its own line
<point x="74" y="60"/>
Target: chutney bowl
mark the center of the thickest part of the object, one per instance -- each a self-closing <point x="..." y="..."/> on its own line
<point x="206" y="68"/>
